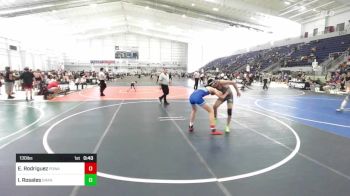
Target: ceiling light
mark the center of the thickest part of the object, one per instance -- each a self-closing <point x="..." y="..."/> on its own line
<point x="146" y="7"/>
<point x="252" y="18"/>
<point x="184" y="16"/>
<point x="93" y="5"/>
<point x="287" y="2"/>
<point x="193" y="4"/>
<point x="215" y="9"/>
<point x="302" y="8"/>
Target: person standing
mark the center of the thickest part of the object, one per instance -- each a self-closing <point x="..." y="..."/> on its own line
<point x="224" y="87"/>
<point x="38" y="78"/>
<point x="170" y="77"/>
<point x="9" y="82"/>
<point x="202" y="78"/>
<point x="0" y="82"/>
<point x="347" y="90"/>
<point x="102" y="78"/>
<point x="28" y="79"/>
<point x="164" y="83"/>
<point x="132" y="85"/>
<point x="196" y="79"/>
<point x="265" y="80"/>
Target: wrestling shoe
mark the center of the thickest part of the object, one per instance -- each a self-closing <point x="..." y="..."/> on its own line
<point x="216" y="132"/>
<point x="227" y="129"/>
<point x="340" y="110"/>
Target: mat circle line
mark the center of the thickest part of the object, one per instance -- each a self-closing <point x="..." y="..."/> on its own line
<point x="296" y="117"/>
<point x="181" y="181"/>
<point x="31" y="124"/>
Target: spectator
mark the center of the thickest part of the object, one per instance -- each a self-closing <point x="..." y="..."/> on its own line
<point x="77" y="82"/>
<point x="28" y="79"/>
<point x="1" y="76"/>
<point x="196" y="79"/>
<point x="265" y="80"/>
<point x="38" y="78"/>
<point x="9" y="82"/>
<point x="53" y="87"/>
<point x="83" y="82"/>
<point x="347" y="89"/>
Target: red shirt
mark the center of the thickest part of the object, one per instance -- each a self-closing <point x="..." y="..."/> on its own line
<point x="52" y="84"/>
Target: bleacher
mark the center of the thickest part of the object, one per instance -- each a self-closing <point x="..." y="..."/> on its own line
<point x="299" y="54"/>
<point x="319" y="49"/>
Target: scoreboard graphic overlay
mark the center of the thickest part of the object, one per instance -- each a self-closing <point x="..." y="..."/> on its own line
<point x="56" y="169"/>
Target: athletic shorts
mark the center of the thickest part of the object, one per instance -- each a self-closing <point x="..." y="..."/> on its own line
<point x="8" y="87"/>
<point x="197" y="100"/>
<point x="229" y="98"/>
<point x="27" y="86"/>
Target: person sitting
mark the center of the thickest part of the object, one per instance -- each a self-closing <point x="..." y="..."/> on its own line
<point x="53" y="89"/>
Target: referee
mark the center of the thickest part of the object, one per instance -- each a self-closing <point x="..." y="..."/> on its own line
<point x="164" y="83"/>
<point x="102" y="78"/>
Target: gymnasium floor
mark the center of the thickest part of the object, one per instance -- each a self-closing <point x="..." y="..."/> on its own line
<point x="282" y="142"/>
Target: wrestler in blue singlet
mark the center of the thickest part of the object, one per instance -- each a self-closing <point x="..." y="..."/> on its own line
<point x="197" y="96"/>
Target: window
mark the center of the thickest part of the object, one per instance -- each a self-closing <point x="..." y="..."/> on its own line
<point x="13" y="47"/>
<point x="315" y="32"/>
<point x="340" y="27"/>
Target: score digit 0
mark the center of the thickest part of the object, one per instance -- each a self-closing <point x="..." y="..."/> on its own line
<point x="90" y="168"/>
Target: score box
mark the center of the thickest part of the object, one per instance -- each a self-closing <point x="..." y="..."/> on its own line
<point x="56" y="169"/>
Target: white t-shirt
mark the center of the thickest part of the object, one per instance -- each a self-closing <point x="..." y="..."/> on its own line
<point x="164" y="79"/>
<point x="196" y="75"/>
<point x="101" y="75"/>
<point x="266" y="76"/>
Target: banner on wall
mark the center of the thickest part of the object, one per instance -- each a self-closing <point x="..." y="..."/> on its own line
<point x="299" y="85"/>
<point x="102" y="62"/>
<point x="126" y="52"/>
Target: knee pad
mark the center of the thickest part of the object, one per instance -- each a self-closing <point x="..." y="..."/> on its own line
<point x="229" y="112"/>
